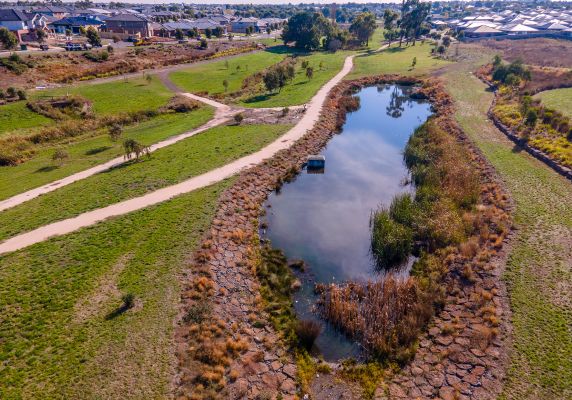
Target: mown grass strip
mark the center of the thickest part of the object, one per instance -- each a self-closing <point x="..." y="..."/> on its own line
<point x="209" y="77"/>
<point x="397" y="60"/>
<point x="62" y="336"/>
<point x="165" y="167"/>
<point x="93" y="150"/>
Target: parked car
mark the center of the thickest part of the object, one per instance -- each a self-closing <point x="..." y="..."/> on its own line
<point x="74" y="46"/>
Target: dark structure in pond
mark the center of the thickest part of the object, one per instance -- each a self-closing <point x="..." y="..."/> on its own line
<point x="325" y="219"/>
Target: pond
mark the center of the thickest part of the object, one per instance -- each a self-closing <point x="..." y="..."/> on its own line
<point x="323" y="217"/>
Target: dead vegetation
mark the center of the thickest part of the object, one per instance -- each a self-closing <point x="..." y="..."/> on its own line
<point x="542" y="52"/>
<point x="66" y="67"/>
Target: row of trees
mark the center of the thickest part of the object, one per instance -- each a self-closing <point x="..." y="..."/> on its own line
<point x="310" y="31"/>
<point x="409" y="24"/>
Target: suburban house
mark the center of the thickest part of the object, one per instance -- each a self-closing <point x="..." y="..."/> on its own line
<point x="52" y="11"/>
<point x="21" y="23"/>
<point x="241" y="24"/>
<point x="169" y="28"/>
<point x="131" y="24"/>
<point x="75" y="24"/>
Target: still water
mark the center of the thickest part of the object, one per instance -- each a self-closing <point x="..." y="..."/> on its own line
<point x="323" y="218"/>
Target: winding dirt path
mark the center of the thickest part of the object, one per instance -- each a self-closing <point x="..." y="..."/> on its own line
<point x="222" y="115"/>
<point x="311" y="116"/>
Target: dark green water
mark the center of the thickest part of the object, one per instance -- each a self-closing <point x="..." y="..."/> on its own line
<point x="324" y="218"/>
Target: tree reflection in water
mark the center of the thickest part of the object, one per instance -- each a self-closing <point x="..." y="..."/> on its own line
<point x="399" y="97"/>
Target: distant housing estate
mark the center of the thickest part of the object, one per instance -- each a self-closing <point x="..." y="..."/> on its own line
<point x="537" y="21"/>
<point x="123" y="22"/>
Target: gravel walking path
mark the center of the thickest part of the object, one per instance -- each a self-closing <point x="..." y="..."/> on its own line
<point x="307" y="122"/>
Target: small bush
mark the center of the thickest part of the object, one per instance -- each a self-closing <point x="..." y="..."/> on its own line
<point x="238" y="118"/>
<point x="182" y="104"/>
<point x="307" y="332"/>
<point x="402" y="209"/>
<point x="391" y="242"/>
<point x="128" y="300"/>
<point x="198" y="312"/>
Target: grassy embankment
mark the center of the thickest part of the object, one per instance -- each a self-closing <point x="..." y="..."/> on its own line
<point x="538" y="270"/>
<point x="397" y="60"/>
<point x="94" y="148"/>
<point x="63" y="329"/>
<point x="16" y="118"/>
<point x="558" y="99"/>
<point x="167" y="166"/>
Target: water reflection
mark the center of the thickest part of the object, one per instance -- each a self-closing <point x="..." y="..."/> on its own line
<point x="324" y="218"/>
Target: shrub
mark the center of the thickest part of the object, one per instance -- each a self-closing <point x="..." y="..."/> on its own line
<point x="198" y="312"/>
<point x="531" y="117"/>
<point x="238" y="118"/>
<point x="307" y="331"/>
<point x="402" y="209"/>
<point x="128" y="300"/>
<point x="391" y="242"/>
<point x="115" y="132"/>
<point x="60" y="156"/>
<point x="182" y="104"/>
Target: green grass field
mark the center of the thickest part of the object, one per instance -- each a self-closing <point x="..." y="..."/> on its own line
<point x="94" y="150"/>
<point x="108" y="98"/>
<point x="167" y="166"/>
<point x="396" y="60"/>
<point x="60" y="338"/>
<point x="133" y="94"/>
<point x="17" y="118"/>
<point x="538" y="272"/>
<point x="208" y="77"/>
<point x="302" y="89"/>
<point x="558" y="99"/>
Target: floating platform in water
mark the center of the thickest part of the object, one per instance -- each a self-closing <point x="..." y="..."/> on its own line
<point x="316" y="162"/>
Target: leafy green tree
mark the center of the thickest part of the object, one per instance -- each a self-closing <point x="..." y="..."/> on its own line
<point x="390" y="19"/>
<point x="93" y="37"/>
<point x="208" y="33"/>
<point x="446" y="41"/>
<point x="270" y="80"/>
<point x="8" y="39"/>
<point x="191" y="33"/>
<point x="413" y="15"/>
<point x="218" y="32"/>
<point x="41" y="35"/>
<point x="204" y="44"/>
<point x="306" y="30"/>
<point x="179" y="35"/>
<point x="363" y="27"/>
